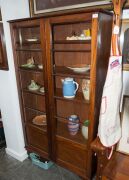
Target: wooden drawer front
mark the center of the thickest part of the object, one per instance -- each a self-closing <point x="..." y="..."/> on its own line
<point x="72" y="155"/>
<point x="37" y="138"/>
<point x="34" y="101"/>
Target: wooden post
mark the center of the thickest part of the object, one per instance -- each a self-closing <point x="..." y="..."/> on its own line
<point x="118" y="5"/>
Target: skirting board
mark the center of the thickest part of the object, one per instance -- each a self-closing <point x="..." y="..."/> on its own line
<point x="20" y="157"/>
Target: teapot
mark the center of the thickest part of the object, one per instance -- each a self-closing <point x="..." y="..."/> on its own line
<point x="70" y="87"/>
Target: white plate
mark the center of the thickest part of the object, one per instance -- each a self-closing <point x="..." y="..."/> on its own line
<point x="80" y="70"/>
<point x="31" y="40"/>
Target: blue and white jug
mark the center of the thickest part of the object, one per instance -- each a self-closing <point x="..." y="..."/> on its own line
<point x="69" y="87"/>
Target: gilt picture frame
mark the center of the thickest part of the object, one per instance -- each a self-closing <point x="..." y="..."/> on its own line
<point x="3" y="54"/>
<point x="48" y="7"/>
<point x="123" y="145"/>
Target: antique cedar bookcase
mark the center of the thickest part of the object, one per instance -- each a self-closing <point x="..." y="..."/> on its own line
<point x="56" y="53"/>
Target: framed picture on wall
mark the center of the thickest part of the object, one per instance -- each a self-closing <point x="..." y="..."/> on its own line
<point x="0" y="16"/>
<point x="123" y="145"/>
<point x="3" y="54"/>
<point x="41" y="7"/>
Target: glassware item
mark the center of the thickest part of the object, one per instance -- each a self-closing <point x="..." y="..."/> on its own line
<point x="85" y="129"/>
<point x="86" y="88"/>
<point x="87" y="32"/>
<point x="73" y="124"/>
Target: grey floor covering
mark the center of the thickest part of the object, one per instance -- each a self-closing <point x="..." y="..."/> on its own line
<point x="12" y="169"/>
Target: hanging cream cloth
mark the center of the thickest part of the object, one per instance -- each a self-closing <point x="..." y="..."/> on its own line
<point x="109" y="129"/>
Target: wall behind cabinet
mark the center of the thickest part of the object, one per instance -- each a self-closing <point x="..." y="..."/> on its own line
<point x="9" y="104"/>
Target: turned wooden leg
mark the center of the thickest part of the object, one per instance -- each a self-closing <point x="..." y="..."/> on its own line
<point x="101" y="153"/>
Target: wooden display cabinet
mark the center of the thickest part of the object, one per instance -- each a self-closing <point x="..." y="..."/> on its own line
<point x="73" y="152"/>
<point x="53" y="49"/>
<point x="27" y="44"/>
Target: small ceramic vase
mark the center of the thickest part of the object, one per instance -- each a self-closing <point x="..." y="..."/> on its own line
<point x="73" y="124"/>
<point x="33" y="86"/>
<point x="86" y="88"/>
<point x="30" y="63"/>
<point x="85" y="129"/>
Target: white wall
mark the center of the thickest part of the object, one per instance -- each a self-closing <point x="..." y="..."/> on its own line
<point x="9" y="104"/>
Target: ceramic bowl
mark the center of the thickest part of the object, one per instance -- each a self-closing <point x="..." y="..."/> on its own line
<point x="40" y="120"/>
<point x="40" y="66"/>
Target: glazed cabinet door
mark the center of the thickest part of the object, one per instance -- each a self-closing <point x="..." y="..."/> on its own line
<point x="30" y="68"/>
<point x="77" y="52"/>
<point x="70" y="64"/>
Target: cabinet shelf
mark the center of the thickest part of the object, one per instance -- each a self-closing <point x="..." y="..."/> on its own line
<point x="78" y="139"/>
<point x="78" y="98"/>
<point x="65" y="120"/>
<point x="72" y="42"/>
<point x="34" y="92"/>
<point x="73" y="50"/>
<point x="26" y="49"/>
<point x="64" y="71"/>
<point x="42" y="128"/>
<point x="35" y="69"/>
<point x="33" y="109"/>
<point x="27" y="43"/>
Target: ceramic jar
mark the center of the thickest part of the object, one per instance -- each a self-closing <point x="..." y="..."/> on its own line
<point x="69" y="87"/>
<point x="73" y="124"/>
<point x="86" y="88"/>
<point x="85" y="129"/>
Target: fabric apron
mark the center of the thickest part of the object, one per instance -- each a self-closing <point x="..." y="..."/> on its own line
<point x="109" y="129"/>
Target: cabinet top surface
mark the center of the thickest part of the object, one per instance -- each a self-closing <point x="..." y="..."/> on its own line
<point x="63" y="13"/>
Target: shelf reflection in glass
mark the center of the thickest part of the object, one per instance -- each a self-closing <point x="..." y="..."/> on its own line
<point x="62" y="131"/>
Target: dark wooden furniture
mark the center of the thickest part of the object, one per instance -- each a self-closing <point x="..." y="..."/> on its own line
<point x="3" y="55"/>
<point x="101" y="154"/>
<point x="2" y="136"/>
<point x="117" y="168"/>
<point x="56" y="54"/>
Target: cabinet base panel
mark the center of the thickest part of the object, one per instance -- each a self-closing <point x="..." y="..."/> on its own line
<point x="79" y="172"/>
<point x="37" y="151"/>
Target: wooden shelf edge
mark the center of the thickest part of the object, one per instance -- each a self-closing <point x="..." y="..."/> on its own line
<point x="23" y="49"/>
<point x="43" y="131"/>
<point x="72" y="42"/>
<point x="72" y="50"/>
<point x="33" y="92"/>
<point x="25" y="107"/>
<point x="37" y="70"/>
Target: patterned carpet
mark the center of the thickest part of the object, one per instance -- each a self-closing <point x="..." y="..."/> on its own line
<point x="11" y="169"/>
